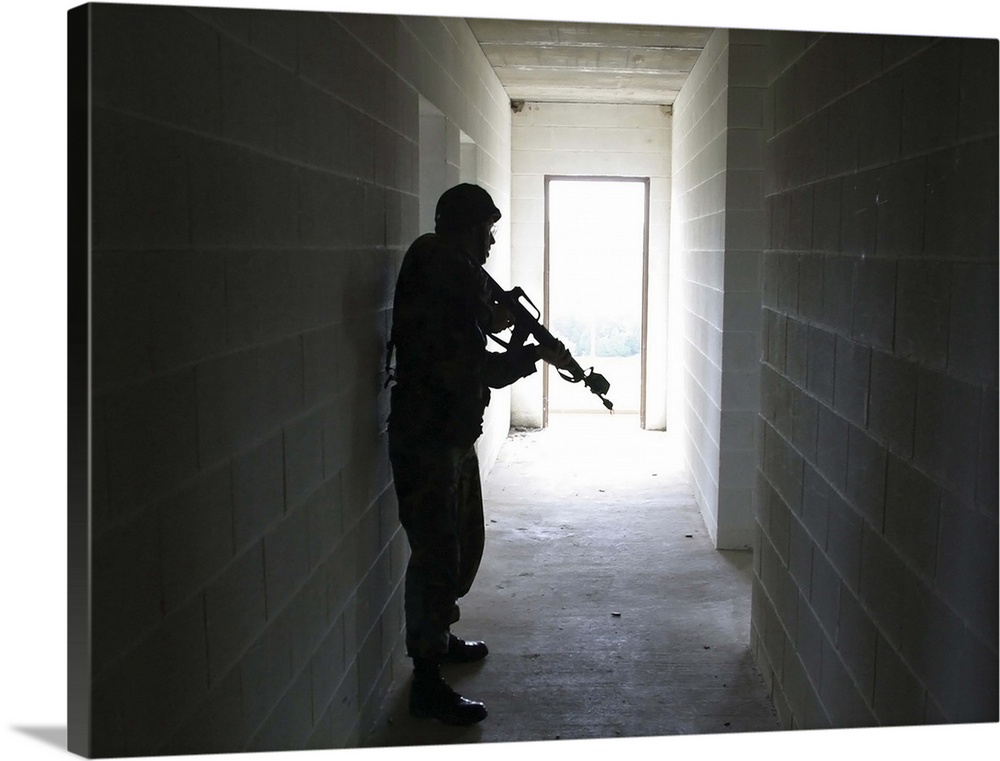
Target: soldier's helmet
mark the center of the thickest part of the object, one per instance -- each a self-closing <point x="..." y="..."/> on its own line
<point x="463" y="206"/>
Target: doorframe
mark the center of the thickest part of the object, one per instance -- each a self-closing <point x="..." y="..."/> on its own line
<point x="645" y="281"/>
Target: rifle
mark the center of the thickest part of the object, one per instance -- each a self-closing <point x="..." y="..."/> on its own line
<point x="527" y="324"/>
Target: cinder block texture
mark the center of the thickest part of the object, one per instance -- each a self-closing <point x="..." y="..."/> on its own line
<point x="718" y="224"/>
<point x="255" y="184"/>
<point x="890" y="332"/>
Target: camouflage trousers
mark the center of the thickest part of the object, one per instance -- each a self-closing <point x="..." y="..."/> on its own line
<point x="441" y="509"/>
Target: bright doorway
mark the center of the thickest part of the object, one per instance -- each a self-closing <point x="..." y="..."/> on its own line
<point x="596" y="262"/>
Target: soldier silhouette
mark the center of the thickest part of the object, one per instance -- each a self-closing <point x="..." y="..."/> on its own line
<point x="442" y="311"/>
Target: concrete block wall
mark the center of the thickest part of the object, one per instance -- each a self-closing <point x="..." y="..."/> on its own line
<point x="590" y="140"/>
<point x="255" y="184"/>
<point x="875" y="589"/>
<point x="718" y="236"/>
<point x="741" y="326"/>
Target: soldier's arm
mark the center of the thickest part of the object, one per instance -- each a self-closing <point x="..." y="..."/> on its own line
<point x="503" y="368"/>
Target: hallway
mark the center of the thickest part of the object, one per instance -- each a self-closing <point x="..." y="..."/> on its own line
<point x="606" y="609"/>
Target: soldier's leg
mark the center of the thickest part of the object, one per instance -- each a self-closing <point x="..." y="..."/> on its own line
<point x="426" y="482"/>
<point x="472" y="539"/>
<point x="471" y="523"/>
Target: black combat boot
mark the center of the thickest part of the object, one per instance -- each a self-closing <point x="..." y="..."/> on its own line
<point x="432" y="698"/>
<point x="462" y="651"/>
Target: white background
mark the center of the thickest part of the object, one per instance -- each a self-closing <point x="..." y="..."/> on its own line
<point x="33" y="303"/>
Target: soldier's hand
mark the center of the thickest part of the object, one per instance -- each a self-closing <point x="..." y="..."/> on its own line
<point x="557" y="355"/>
<point x="502" y="319"/>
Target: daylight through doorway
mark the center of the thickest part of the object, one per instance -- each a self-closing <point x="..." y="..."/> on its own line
<point x="595" y="265"/>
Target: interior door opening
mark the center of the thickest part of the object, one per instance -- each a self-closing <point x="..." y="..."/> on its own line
<point x="596" y="257"/>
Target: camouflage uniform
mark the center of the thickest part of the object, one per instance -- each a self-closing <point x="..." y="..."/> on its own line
<point x="443" y="377"/>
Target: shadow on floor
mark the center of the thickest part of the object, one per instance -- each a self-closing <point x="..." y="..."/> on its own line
<point x="55" y="736"/>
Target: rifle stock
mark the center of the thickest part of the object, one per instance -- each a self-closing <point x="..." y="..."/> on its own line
<point x="527" y="324"/>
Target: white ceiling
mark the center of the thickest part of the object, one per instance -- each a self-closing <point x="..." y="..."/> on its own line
<point x="566" y="62"/>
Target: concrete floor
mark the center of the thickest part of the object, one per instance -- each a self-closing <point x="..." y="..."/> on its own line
<point x="606" y="609"/>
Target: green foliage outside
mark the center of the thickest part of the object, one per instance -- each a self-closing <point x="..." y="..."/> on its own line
<point x="610" y="338"/>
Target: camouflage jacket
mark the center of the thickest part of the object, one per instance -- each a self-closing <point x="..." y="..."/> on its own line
<point x="444" y="372"/>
